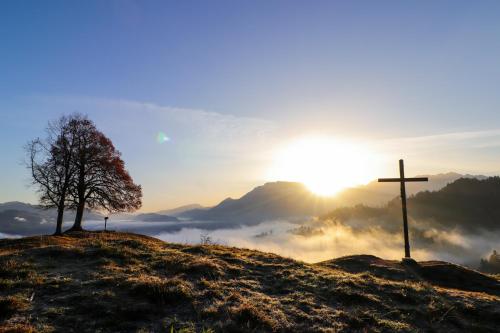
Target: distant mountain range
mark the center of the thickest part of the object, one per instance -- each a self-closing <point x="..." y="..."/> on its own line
<point x="21" y="218"/>
<point x="377" y="194"/>
<point x="290" y="200"/>
<point x="154" y="217"/>
<point x="18" y="218"/>
<point x="271" y="201"/>
<point x="179" y="210"/>
<point x="470" y="204"/>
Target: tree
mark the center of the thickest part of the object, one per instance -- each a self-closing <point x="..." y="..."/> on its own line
<point x="51" y="164"/>
<point x="101" y="180"/>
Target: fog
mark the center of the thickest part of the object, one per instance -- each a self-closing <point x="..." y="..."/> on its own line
<point x="3" y="235"/>
<point x="314" y="241"/>
<point x="277" y="237"/>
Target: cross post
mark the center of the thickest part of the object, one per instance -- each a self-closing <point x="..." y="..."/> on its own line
<point x="402" y="180"/>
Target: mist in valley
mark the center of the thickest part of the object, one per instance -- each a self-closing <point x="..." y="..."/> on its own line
<point x="317" y="240"/>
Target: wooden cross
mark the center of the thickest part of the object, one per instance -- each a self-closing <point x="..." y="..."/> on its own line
<point x="403" y="180"/>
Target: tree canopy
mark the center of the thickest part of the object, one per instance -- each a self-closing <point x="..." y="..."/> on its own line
<point x="76" y="166"/>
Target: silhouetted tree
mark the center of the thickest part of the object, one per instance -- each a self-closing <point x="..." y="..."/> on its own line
<point x="101" y="180"/>
<point x="492" y="265"/>
<point x="50" y="161"/>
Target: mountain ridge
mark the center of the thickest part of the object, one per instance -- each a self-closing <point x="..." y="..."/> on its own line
<point x="467" y="203"/>
<point x="272" y="201"/>
<point x="305" y="203"/>
<point x="180" y="209"/>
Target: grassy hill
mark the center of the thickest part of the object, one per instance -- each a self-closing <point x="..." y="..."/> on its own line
<point x="118" y="282"/>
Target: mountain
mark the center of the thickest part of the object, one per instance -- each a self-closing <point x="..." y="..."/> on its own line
<point x="119" y="282"/>
<point x="271" y="201"/>
<point x="15" y="222"/>
<point x="376" y="194"/>
<point x="290" y="200"/>
<point x="18" y="218"/>
<point x="20" y="206"/>
<point x="153" y="217"/>
<point x="469" y="204"/>
<point x="179" y="210"/>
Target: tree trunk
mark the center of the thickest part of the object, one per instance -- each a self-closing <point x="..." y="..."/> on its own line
<point x="60" y="213"/>
<point x="77" y="226"/>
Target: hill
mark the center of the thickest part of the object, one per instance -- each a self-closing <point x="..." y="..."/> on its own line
<point x="469" y="204"/>
<point x="376" y="194"/>
<point x="117" y="282"/>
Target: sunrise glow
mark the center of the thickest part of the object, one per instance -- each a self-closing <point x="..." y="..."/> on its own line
<point x="325" y="165"/>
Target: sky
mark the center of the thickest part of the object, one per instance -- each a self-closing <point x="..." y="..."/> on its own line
<point x="200" y="95"/>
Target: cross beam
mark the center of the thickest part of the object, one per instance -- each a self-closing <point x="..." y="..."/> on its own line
<point x="406" y="180"/>
<point x="402" y="180"/>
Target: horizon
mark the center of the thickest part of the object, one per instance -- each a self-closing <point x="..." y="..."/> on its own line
<point x="332" y="196"/>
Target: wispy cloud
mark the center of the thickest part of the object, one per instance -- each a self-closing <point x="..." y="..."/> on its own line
<point x="464" y="151"/>
<point x="198" y="123"/>
<point x="471" y="138"/>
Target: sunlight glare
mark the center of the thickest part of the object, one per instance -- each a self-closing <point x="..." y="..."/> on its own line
<point x="325" y="165"/>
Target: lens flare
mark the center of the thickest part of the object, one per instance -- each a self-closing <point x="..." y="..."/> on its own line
<point x="162" y="137"/>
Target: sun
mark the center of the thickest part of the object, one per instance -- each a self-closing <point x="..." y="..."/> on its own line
<point x="325" y="165"/>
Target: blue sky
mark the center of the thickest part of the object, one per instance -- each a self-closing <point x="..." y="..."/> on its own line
<point x="228" y="80"/>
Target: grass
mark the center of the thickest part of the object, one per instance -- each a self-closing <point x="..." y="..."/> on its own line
<point x="160" y="290"/>
<point x="119" y="282"/>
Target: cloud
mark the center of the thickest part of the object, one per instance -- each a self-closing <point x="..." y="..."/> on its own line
<point x="2" y="235"/>
<point x="324" y="240"/>
<point x="454" y="136"/>
<point x="471" y="139"/>
<point x="334" y="241"/>
<point x="187" y="124"/>
<point x="464" y="152"/>
<point x="338" y="240"/>
<point x="455" y="245"/>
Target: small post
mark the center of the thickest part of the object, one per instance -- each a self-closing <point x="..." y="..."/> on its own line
<point x="105" y="222"/>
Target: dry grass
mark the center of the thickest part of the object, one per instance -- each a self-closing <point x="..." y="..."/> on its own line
<point x="117" y="282"/>
<point x="161" y="290"/>
<point x="17" y="328"/>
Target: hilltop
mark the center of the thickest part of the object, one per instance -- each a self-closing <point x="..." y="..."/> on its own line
<point x="121" y="282"/>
